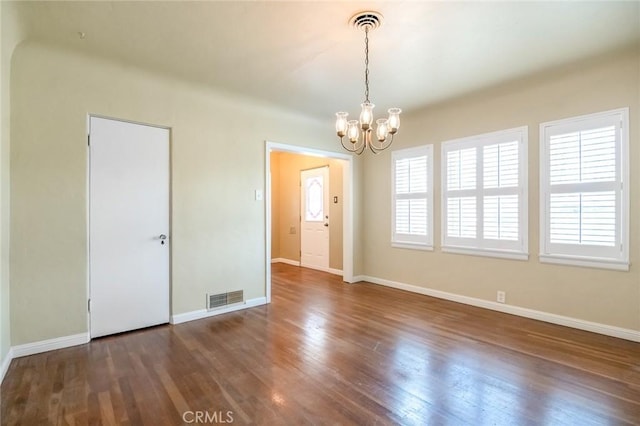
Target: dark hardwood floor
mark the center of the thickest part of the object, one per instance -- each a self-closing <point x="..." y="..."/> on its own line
<point x="325" y="352"/>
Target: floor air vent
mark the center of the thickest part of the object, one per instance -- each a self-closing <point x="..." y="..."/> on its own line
<point x="215" y="301"/>
<point x="235" y="297"/>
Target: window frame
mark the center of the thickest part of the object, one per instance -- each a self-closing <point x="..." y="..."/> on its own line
<point x="415" y="242"/>
<point x="616" y="257"/>
<point x="479" y="246"/>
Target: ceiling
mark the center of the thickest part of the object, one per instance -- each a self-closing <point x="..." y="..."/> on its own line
<point x="304" y="55"/>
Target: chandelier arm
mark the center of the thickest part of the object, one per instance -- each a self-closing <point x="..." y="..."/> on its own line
<point x="384" y="145"/>
<point x="365" y="141"/>
<point x="345" y="147"/>
<point x="390" y="142"/>
<point x="355" y="149"/>
<point x="372" y="149"/>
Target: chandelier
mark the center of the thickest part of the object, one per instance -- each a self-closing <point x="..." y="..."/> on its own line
<point x="360" y="133"/>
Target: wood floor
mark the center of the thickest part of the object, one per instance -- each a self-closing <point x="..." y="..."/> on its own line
<point x="325" y="352"/>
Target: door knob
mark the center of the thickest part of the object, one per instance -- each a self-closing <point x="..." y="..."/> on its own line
<point x="162" y="237"/>
<point x="326" y="224"/>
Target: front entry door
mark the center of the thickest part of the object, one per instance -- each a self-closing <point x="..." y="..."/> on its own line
<point x="314" y="217"/>
<point x="129" y="226"/>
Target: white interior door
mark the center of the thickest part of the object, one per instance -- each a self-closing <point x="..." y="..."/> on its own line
<point x="129" y="226"/>
<point x="314" y="218"/>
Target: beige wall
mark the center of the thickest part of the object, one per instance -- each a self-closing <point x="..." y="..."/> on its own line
<point x="218" y="161"/>
<point x="10" y="34"/>
<point x="285" y="183"/>
<point x="602" y="296"/>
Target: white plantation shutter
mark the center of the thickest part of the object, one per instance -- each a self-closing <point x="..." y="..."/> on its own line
<point x="501" y="219"/>
<point x="583" y="218"/>
<point x="461" y="169"/>
<point x="461" y="217"/>
<point x="501" y="166"/>
<point x="412" y="175"/>
<point x="583" y="156"/>
<point x="484" y="196"/>
<point x="411" y="217"/>
<point x="584" y="202"/>
<point x="501" y="169"/>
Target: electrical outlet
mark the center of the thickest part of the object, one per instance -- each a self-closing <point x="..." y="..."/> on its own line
<point x="502" y="297"/>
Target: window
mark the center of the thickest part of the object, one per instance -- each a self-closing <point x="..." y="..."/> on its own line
<point x="412" y="197"/>
<point x="584" y="195"/>
<point x="314" y="194"/>
<point x="484" y="194"/>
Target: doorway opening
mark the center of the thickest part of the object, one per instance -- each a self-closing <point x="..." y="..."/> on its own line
<point x="343" y="164"/>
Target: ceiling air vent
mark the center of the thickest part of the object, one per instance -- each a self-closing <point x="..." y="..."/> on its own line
<point x="215" y="301"/>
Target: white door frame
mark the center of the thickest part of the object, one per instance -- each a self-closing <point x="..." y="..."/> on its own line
<point x="347" y="205"/>
<point x="88" y="210"/>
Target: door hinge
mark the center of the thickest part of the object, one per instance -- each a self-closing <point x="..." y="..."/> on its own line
<point x="89" y="305"/>
<point x="89" y="140"/>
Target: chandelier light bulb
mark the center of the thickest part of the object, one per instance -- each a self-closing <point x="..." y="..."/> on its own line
<point x="382" y="130"/>
<point x="366" y="116"/>
<point x="341" y="123"/>
<point x="352" y="131"/>
<point x="394" y="120"/>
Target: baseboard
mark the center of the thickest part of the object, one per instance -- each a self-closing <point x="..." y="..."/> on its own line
<point x="296" y="263"/>
<point x="6" y="362"/>
<point x="82" y="338"/>
<point x="335" y="271"/>
<point x="287" y="261"/>
<point x="203" y="313"/>
<point x="49" y="345"/>
<point x="608" y="330"/>
<point x="329" y="270"/>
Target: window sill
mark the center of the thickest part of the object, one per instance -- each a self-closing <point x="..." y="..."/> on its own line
<point x="411" y="246"/>
<point x="503" y="254"/>
<point x="588" y="262"/>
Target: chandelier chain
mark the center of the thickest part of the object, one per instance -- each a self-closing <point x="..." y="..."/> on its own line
<point x="366" y="64"/>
